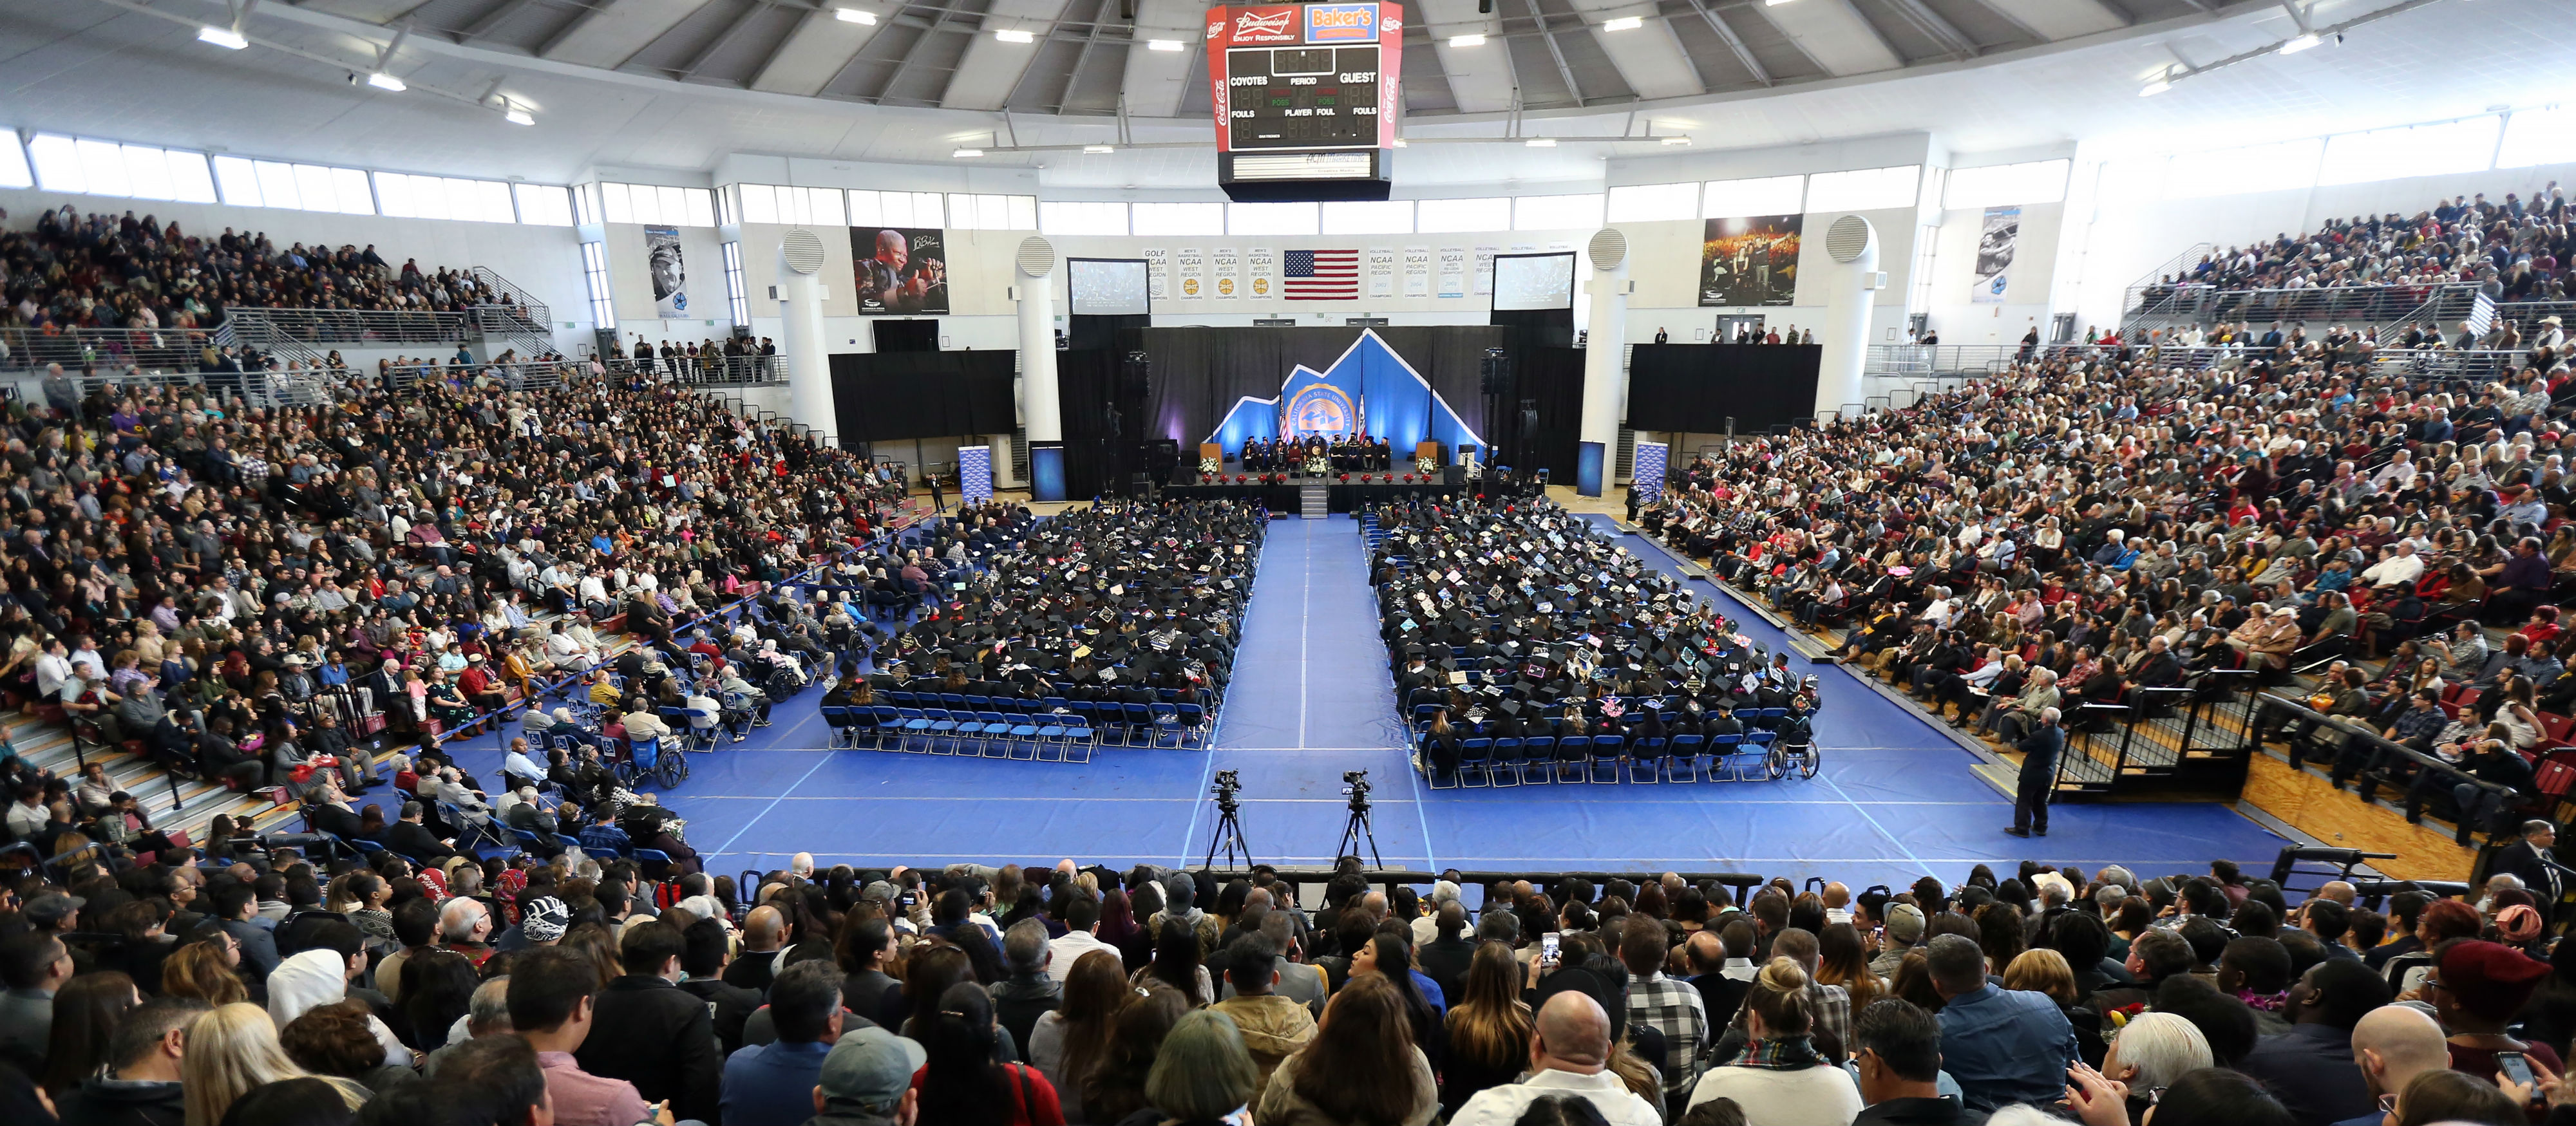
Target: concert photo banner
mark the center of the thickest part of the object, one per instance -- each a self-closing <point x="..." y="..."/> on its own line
<point x="1750" y="261"/>
<point x="1995" y="248"/>
<point x="670" y="272"/>
<point x="900" y="271"/>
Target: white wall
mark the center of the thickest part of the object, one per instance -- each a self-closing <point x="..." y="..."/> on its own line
<point x="1958" y="318"/>
<point x="545" y="261"/>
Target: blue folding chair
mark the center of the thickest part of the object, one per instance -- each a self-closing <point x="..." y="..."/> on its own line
<point x="1194" y="720"/>
<point x="1649" y="755"/>
<point x="1167" y="721"/>
<point x="1506" y="754"/>
<point x="1475" y="755"/>
<point x="1684" y="750"/>
<point x="1605" y="749"/>
<point x="1140" y="721"/>
<point x="842" y="724"/>
<point x="1537" y="750"/>
<point x="915" y="722"/>
<point x="1721" y="756"/>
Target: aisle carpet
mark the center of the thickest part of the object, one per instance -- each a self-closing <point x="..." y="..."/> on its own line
<point x="1312" y="699"/>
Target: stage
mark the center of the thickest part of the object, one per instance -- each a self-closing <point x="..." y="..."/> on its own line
<point x="1341" y="496"/>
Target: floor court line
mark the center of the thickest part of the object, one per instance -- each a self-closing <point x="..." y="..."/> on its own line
<point x="1839" y="802"/>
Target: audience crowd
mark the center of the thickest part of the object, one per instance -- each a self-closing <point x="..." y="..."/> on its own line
<point x="2516" y="250"/>
<point x="2097" y="530"/>
<point x="271" y="984"/>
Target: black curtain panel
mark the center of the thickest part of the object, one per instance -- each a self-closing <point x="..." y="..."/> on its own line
<point x="1553" y="326"/>
<point x="1552" y="378"/>
<point x="1099" y="451"/>
<point x="1695" y="388"/>
<point x="906" y="335"/>
<point x="882" y="396"/>
<point x="1201" y="373"/>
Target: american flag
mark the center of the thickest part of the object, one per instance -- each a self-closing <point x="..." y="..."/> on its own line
<point x="1322" y="275"/>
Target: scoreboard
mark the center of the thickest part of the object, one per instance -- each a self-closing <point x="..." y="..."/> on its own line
<point x="1306" y="98"/>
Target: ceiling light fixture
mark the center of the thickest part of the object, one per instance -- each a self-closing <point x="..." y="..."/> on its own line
<point x="1624" y="23"/>
<point x="1542" y="142"/>
<point x="964" y="153"/>
<point x="1100" y="148"/>
<point x="383" y="81"/>
<point x="1015" y="37"/>
<point x="2155" y="87"/>
<point x="1773" y="3"/>
<point x="2299" y="42"/>
<point x="1164" y="45"/>
<point x="224" y="37"/>
<point x="854" y="15"/>
<point x="516" y="116"/>
<point x="1675" y="140"/>
<point x="1466" y="40"/>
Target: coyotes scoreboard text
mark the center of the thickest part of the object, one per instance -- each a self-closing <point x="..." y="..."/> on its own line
<point x="1305" y="77"/>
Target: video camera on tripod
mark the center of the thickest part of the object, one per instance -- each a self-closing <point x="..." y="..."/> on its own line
<point x="1357" y="831"/>
<point x="1229" y="827"/>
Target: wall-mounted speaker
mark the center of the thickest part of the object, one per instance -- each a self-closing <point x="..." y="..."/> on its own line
<point x="1849" y="238"/>
<point x="801" y="250"/>
<point x="1608" y="249"/>
<point x="1036" y="257"/>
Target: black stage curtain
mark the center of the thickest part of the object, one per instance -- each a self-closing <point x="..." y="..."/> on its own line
<point x="1094" y="330"/>
<point x="1559" y="322"/>
<point x="1201" y="373"/>
<point x="1695" y="388"/>
<point x="906" y="335"/>
<point x="1097" y="449"/>
<point x="1553" y="379"/>
<point x="888" y="395"/>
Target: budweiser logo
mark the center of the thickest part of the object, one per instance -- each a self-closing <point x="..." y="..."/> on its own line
<point x="1276" y="23"/>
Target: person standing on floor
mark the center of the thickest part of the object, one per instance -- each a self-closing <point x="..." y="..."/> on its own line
<point x="2039" y="751"/>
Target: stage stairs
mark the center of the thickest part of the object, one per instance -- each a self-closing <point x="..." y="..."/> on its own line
<point x="1314" y="500"/>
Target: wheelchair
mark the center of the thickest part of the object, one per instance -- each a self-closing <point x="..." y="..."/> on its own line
<point x="1784" y="758"/>
<point x="650" y="759"/>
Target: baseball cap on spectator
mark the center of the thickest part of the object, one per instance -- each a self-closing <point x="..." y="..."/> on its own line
<point x="51" y="908"/>
<point x="2490" y="980"/>
<point x="1905" y="923"/>
<point x="869" y="1070"/>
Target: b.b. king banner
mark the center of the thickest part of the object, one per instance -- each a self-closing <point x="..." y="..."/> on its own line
<point x="1995" y="247"/>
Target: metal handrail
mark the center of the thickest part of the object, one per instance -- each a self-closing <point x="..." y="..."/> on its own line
<point x="2378" y="753"/>
<point x="2443" y="303"/>
<point x="76" y="348"/>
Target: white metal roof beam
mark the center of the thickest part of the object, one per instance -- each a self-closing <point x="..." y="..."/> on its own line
<point x="1480" y="78"/>
<point x="990" y="68"/>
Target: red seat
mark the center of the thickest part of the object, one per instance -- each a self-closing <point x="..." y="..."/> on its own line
<point x="2556" y="726"/>
<point x="2554" y="778"/>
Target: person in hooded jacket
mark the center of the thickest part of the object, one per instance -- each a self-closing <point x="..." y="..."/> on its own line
<point x="1273" y="1027"/>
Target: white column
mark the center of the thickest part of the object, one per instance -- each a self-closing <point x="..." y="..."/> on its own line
<point x="1844" y="344"/>
<point x="1605" y="372"/>
<point x="1039" y="410"/>
<point x="809" y="362"/>
<point x="1041" y="403"/>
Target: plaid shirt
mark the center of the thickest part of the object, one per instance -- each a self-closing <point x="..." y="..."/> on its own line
<point x="1675" y="1009"/>
<point x="1831" y="1005"/>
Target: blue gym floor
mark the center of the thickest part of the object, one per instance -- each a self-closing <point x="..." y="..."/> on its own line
<point x="1312" y="698"/>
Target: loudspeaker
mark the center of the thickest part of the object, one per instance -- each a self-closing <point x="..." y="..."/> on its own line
<point x="1493" y="371"/>
<point x="1136" y="376"/>
<point x="1529" y="420"/>
<point x="1162" y="457"/>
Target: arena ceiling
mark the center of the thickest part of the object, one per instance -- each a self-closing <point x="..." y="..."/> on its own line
<point x="681" y="83"/>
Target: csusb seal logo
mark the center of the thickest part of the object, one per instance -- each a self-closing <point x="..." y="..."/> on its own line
<point x="1320" y="408"/>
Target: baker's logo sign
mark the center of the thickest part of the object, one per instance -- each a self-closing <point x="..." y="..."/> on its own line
<point x="1265" y="25"/>
<point x="1341" y="23"/>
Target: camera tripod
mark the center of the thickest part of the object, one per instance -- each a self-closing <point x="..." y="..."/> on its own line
<point x="1356" y="830"/>
<point x="1229" y="834"/>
